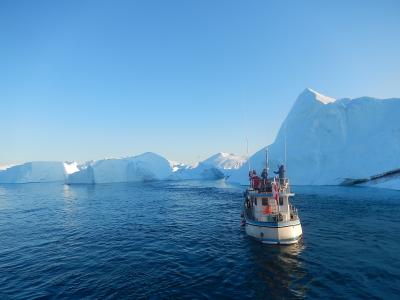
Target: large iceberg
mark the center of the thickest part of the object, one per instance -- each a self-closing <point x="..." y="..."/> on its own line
<point x="144" y="167"/>
<point x="327" y="141"/>
<point x="37" y="171"/>
<point x="332" y="141"/>
<point x="218" y="166"/>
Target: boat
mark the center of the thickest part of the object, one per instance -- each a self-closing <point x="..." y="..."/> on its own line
<point x="268" y="214"/>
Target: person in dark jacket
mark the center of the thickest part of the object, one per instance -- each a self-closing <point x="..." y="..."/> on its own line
<point x="264" y="181"/>
<point x="281" y="172"/>
<point x="264" y="174"/>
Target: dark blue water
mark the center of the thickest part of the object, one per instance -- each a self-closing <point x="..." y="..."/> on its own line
<point x="184" y="240"/>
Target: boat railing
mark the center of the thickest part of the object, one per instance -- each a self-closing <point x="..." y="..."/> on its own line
<point x="266" y="185"/>
<point x="294" y="213"/>
<point x="249" y="213"/>
<point x="275" y="216"/>
<point x="263" y="186"/>
<point x="283" y="184"/>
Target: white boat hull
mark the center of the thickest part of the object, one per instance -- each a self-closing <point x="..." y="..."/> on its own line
<point x="284" y="233"/>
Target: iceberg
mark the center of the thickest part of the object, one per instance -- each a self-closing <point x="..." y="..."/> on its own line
<point x="5" y="167"/>
<point x="322" y="141"/>
<point x="330" y="141"/>
<point x="145" y="167"/>
<point x="218" y="166"/>
<point x="225" y="161"/>
<point x="37" y="171"/>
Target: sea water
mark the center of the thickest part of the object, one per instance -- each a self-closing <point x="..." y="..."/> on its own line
<point x="184" y="240"/>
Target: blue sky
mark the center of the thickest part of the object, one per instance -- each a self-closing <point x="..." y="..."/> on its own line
<point x="84" y="80"/>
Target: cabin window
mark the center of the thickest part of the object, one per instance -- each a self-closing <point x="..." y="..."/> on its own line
<point x="255" y="201"/>
<point x="280" y="200"/>
<point x="264" y="201"/>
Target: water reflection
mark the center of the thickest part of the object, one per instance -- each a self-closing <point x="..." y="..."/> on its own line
<point x="69" y="193"/>
<point x="280" y="270"/>
<point x="79" y="190"/>
<point x="220" y="184"/>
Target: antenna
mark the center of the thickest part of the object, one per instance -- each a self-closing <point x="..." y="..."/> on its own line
<point x="248" y="157"/>
<point x="246" y="129"/>
<point x="285" y="149"/>
<point x="266" y="159"/>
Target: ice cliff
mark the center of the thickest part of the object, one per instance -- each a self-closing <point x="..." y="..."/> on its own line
<point x="329" y="141"/>
<point x="38" y="171"/>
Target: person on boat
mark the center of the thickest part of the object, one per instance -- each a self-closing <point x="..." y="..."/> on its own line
<point x="264" y="177"/>
<point x="256" y="182"/>
<point x="247" y="203"/>
<point x="254" y="179"/>
<point x="281" y="173"/>
<point x="251" y="175"/>
<point x="264" y="174"/>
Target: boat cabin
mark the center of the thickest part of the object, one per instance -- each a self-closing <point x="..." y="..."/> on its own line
<point x="268" y="201"/>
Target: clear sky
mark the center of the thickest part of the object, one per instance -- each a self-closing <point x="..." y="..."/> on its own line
<point x="84" y="80"/>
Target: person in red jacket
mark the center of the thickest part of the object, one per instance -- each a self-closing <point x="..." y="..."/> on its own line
<point x="256" y="182"/>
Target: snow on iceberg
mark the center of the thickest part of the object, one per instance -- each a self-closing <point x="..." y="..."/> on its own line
<point x="144" y="167"/>
<point x="218" y="166"/>
<point x="5" y="167"/>
<point x="37" y="171"/>
<point x="225" y="161"/>
<point x="329" y="141"/>
<point x="175" y="165"/>
<point x="71" y="167"/>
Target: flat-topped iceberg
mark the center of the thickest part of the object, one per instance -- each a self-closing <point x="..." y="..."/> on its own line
<point x="144" y="167"/>
<point x="37" y="171"/>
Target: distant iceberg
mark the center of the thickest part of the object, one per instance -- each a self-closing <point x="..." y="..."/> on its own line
<point x="38" y="171"/>
<point x="144" y="167"/>
<point x="218" y="166"/>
